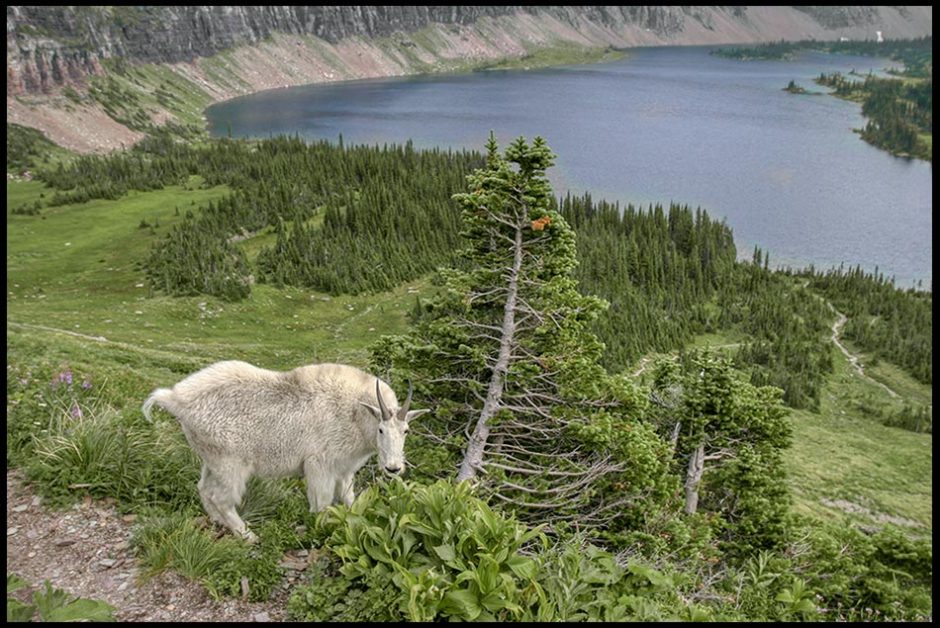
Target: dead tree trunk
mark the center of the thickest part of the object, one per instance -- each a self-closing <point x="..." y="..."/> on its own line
<point x="473" y="458"/>
<point x="692" y="478"/>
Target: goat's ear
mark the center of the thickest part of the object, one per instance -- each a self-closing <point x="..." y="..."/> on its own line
<point x="414" y="414"/>
<point x="375" y="411"/>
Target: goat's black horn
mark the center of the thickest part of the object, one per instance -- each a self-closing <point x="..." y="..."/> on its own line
<point x="404" y="409"/>
<point x="378" y="395"/>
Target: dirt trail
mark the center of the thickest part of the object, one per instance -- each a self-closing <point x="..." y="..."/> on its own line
<point x="853" y="359"/>
<point x="836" y="334"/>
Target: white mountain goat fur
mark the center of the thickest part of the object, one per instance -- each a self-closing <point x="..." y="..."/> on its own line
<point x="318" y="421"/>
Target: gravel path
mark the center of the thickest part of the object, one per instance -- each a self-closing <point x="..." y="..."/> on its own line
<point x="853" y="359"/>
<point x="85" y="551"/>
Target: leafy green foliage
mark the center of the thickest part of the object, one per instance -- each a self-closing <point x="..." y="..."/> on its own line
<point x="882" y="576"/>
<point x="54" y="605"/>
<point x="669" y="566"/>
<point x="412" y="552"/>
<point x="446" y="552"/>
<point x="789" y="329"/>
<point x="330" y="596"/>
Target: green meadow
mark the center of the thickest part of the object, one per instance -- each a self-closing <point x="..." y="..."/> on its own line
<point x="78" y="297"/>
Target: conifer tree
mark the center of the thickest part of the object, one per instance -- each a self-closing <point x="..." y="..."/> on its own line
<point x="727" y="436"/>
<point x="506" y="355"/>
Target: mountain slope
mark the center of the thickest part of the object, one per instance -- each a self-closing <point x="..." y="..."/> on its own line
<point x="212" y="53"/>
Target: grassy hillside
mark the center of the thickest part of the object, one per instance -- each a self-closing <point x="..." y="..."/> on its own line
<point x="845" y="464"/>
<point x="76" y="268"/>
<point x="77" y="297"/>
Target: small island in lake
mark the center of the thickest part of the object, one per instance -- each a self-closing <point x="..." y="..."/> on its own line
<point x="793" y="88"/>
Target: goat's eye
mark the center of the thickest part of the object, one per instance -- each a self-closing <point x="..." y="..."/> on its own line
<point x="381" y="431"/>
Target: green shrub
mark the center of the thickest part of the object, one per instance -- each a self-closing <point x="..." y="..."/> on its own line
<point x="448" y="555"/>
<point x="858" y="577"/>
<point x="114" y="454"/>
<point x="913" y="418"/>
<point x="330" y="596"/>
<point x="583" y="582"/>
<point x="412" y="552"/>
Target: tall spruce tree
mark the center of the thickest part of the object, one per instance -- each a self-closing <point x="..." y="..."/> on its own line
<point x="505" y="354"/>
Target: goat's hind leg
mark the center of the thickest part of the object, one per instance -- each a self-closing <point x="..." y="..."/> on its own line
<point x="205" y="494"/>
<point x="223" y="486"/>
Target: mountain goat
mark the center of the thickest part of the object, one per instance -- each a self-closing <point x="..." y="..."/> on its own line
<point x="318" y="421"/>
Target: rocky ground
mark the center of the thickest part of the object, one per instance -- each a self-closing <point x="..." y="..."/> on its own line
<point x="85" y="550"/>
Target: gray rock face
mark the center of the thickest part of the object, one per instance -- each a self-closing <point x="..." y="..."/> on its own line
<point x="840" y="17"/>
<point x="53" y="46"/>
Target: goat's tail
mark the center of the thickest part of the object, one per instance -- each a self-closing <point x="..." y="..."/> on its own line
<point x="161" y="396"/>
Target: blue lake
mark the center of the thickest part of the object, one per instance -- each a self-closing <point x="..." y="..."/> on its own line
<point x="671" y="124"/>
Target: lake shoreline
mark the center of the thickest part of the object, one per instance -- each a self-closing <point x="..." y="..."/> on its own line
<point x="666" y="124"/>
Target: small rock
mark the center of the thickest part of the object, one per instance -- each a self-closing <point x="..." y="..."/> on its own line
<point x="120" y="547"/>
<point x="124" y="585"/>
<point x="20" y="508"/>
<point x="303" y="552"/>
<point x="36" y="500"/>
<point x="12" y="531"/>
<point x="63" y="542"/>
<point x="31" y="555"/>
<point x="293" y="565"/>
<point x="108" y="562"/>
<point x="129" y="518"/>
<point x="261" y="617"/>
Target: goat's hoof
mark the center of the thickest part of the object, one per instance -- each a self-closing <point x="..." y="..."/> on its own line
<point x="250" y="536"/>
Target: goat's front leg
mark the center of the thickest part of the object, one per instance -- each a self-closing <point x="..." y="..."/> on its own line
<point x="320" y="485"/>
<point x="344" y="489"/>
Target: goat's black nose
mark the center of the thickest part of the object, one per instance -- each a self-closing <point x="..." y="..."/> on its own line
<point x="395" y="470"/>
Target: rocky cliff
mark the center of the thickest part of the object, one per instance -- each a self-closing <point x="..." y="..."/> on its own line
<point x="225" y="51"/>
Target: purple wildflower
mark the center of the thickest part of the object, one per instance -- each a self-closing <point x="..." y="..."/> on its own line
<point x="67" y="377"/>
<point x="86" y="383"/>
<point x="76" y="411"/>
